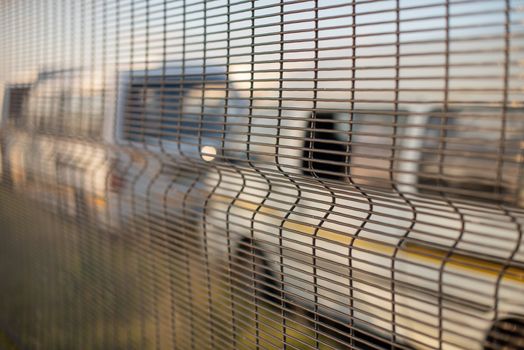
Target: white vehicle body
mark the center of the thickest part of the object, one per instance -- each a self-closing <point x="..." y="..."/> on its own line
<point x="373" y="249"/>
<point x="117" y="142"/>
<point x="53" y="147"/>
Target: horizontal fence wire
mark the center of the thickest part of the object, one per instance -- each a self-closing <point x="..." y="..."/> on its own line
<point x="302" y="174"/>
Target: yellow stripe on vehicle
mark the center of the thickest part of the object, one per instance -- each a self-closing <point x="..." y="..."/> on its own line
<point x="409" y="251"/>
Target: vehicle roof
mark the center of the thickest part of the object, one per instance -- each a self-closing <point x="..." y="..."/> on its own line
<point x="176" y="69"/>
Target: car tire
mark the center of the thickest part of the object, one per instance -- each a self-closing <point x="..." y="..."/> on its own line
<point x="506" y="334"/>
<point x="251" y="268"/>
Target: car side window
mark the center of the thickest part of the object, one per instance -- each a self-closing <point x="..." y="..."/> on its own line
<point x="463" y="152"/>
<point x="358" y="147"/>
<point x="63" y="111"/>
<point x="16" y="100"/>
<point x="169" y="111"/>
<point x="324" y="152"/>
<point x="203" y="110"/>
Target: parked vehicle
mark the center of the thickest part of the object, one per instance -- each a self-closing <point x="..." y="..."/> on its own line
<point x="389" y="220"/>
<point x="52" y="137"/>
<point x="107" y="147"/>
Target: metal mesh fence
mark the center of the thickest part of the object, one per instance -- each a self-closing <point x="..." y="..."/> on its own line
<point x="236" y="174"/>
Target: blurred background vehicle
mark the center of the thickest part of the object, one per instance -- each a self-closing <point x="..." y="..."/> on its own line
<point x="96" y="165"/>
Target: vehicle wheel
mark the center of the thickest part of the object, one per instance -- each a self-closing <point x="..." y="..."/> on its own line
<point x="506" y="334"/>
<point x="251" y="268"/>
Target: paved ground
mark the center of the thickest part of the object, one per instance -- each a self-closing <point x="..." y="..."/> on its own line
<point x="67" y="286"/>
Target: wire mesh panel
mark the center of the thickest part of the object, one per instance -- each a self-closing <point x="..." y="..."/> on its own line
<point x="236" y="174"/>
